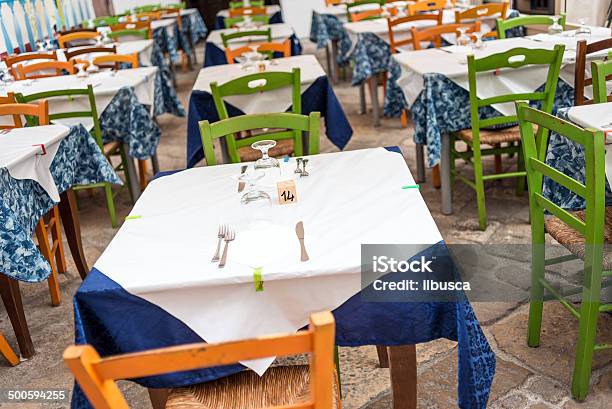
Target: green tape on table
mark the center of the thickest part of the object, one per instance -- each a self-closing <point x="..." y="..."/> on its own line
<point x="258" y="279"/>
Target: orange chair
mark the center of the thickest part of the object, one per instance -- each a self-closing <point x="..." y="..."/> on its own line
<point x="117" y="60"/>
<point x="366" y="15"/>
<point x="482" y="11"/>
<point x="149" y="16"/>
<point x="425" y="6"/>
<point x="80" y="37"/>
<point x="49" y="222"/>
<point x="284" y="48"/>
<point x="247" y="11"/>
<point x="18" y="58"/>
<point x="434" y="34"/>
<point x="22" y="71"/>
<point x="135" y="25"/>
<point x="7" y="352"/>
<point x="312" y="386"/>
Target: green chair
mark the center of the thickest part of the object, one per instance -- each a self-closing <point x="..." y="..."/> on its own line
<point x="481" y="132"/>
<point x="231" y="21"/>
<point x="240" y="4"/>
<point x="506" y="24"/>
<point x="131" y="33"/>
<point x="601" y="72"/>
<point x="108" y="149"/>
<point x="147" y="8"/>
<point x="291" y="125"/>
<point x="105" y="21"/>
<point x="582" y="233"/>
<point x="238" y="149"/>
<point x="227" y="37"/>
<point x="351" y="6"/>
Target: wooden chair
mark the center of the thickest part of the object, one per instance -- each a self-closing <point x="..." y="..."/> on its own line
<point x="602" y="73"/>
<point x="288" y="143"/>
<point x="130" y="34"/>
<point x="247" y="11"/>
<point x="234" y="21"/>
<point x="361" y="14"/>
<point x="434" y="34"/>
<point x="7" y="352"/>
<point x="265" y="35"/>
<point x="134" y="25"/>
<point x="38" y="114"/>
<point x="268" y="48"/>
<point x="20" y="58"/>
<point x="116" y="60"/>
<point x="482" y="11"/>
<point x="580" y="81"/>
<point x="366" y="15"/>
<point x="105" y="21"/>
<point x="72" y="55"/>
<point x="482" y="132"/>
<point x="148" y="16"/>
<point x="585" y="234"/>
<point x="425" y="6"/>
<point x="310" y="386"/>
<point x="43" y="69"/>
<point x="80" y="37"/>
<point x="113" y="148"/>
<point x="504" y="25"/>
<point x="252" y="3"/>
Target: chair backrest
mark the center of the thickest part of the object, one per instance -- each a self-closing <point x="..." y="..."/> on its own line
<point x="147" y="7"/>
<point x="394" y="42"/>
<point x="77" y="37"/>
<point x="148" y="16"/>
<point x="252" y="3"/>
<point x="130" y="34"/>
<point x="117" y="60"/>
<point x="359" y="12"/>
<point x="70" y="54"/>
<point x="580" y="81"/>
<point x="266" y="34"/>
<point x="482" y="11"/>
<point x="285" y="126"/>
<point x="247" y="11"/>
<point x="133" y="25"/>
<point x="504" y="25"/>
<point x="18" y="58"/>
<point x="233" y="21"/>
<point x="44" y="69"/>
<point x="38" y="111"/>
<point x="69" y="94"/>
<point x="434" y="34"/>
<point x="105" y="21"/>
<point x="265" y="48"/>
<point x="593" y="188"/>
<point x="365" y="15"/>
<point x="602" y="72"/>
<point x="512" y="59"/>
<point x="425" y="6"/>
<point x="96" y="375"/>
<point x="78" y="29"/>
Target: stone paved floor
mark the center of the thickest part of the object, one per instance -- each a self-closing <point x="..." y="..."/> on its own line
<point x="535" y="378"/>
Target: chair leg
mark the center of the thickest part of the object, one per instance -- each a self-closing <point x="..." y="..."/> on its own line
<point x="337" y="364"/>
<point x="124" y="165"/>
<point x="520" y="183"/>
<point x="435" y="176"/>
<point x="385" y="78"/>
<point x="7" y="352"/>
<point x="498" y="161"/>
<point x="538" y="257"/>
<point x="404" y="118"/>
<point x="56" y="235"/>
<point x="43" y="244"/>
<point x="142" y="172"/>
<point x="110" y="204"/>
<point x="479" y="185"/>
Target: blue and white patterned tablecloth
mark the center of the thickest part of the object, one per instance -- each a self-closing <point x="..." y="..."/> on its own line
<point x="567" y="156"/>
<point x="167" y="43"/>
<point x="78" y="161"/>
<point x="193" y="24"/>
<point x="327" y="27"/>
<point x="213" y="55"/>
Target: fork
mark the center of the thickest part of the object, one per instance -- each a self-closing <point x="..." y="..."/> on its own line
<point x="229" y="236"/>
<point x="220" y="235"/>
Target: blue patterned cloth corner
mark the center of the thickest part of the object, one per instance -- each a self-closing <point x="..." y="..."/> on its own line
<point x="78" y="161"/>
<point x="193" y="24"/>
<point x="167" y="43"/>
<point x="325" y="28"/>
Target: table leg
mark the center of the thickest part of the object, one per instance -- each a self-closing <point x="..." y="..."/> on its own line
<point x="334" y="61"/>
<point x="158" y="397"/>
<point x="330" y="73"/>
<point x="383" y="356"/>
<point x="11" y="297"/>
<point x="374" y="97"/>
<point x="362" y="99"/>
<point x="445" y="176"/>
<point x="131" y="170"/>
<point x="420" y="161"/>
<point x="403" y="369"/>
<point x="72" y="227"/>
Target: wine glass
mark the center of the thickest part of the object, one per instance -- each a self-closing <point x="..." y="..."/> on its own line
<point x="463" y="39"/>
<point x="583" y="29"/>
<point x="82" y="72"/>
<point x="555" y="27"/>
<point x="478" y="43"/>
<point x="254" y="195"/>
<point x="265" y="162"/>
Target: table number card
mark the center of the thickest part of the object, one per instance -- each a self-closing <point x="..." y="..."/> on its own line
<point x="287" y="192"/>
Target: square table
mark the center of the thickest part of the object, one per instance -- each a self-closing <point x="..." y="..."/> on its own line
<point x="273" y="12"/>
<point x="317" y="96"/>
<point x="163" y="291"/>
<point x="214" y="52"/>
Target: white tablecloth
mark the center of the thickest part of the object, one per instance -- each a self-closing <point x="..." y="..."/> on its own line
<point x="350" y="198"/>
<point x="105" y="84"/>
<point x="279" y="33"/>
<point x="264" y="102"/>
<point x="596" y="116"/>
<point x="24" y="158"/>
<point x="453" y="65"/>
<point x="270" y="10"/>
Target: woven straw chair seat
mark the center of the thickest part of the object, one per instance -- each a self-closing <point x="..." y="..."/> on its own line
<point x="283" y="147"/>
<point x="493" y="136"/>
<point x="279" y="386"/>
<point x="574" y="241"/>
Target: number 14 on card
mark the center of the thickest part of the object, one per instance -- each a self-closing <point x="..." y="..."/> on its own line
<point x="287" y="192"/>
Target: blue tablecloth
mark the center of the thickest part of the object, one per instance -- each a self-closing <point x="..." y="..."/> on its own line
<point x="567" y="156"/>
<point x="274" y="19"/>
<point x="115" y="321"/>
<point x="167" y="43"/>
<point x="318" y="97"/>
<point x="194" y="23"/>
<point x="213" y="55"/>
<point x="78" y="161"/>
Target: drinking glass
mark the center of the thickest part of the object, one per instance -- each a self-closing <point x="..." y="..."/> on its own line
<point x="555" y="27"/>
<point x="463" y="39"/>
<point x="266" y="162"/>
<point x="254" y="195"/>
<point x="478" y="43"/>
<point x="583" y="29"/>
<point x="82" y="72"/>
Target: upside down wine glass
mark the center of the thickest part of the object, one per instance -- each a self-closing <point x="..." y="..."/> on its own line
<point x="463" y="39"/>
<point x="555" y="27"/>
<point x="265" y="162"/>
<point x="254" y="195"/>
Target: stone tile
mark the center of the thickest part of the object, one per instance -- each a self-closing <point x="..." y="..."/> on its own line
<point x="516" y="401"/>
<point x="546" y="388"/>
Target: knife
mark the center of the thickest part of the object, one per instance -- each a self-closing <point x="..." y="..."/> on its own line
<point x="299" y="231"/>
<point x="241" y="184"/>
